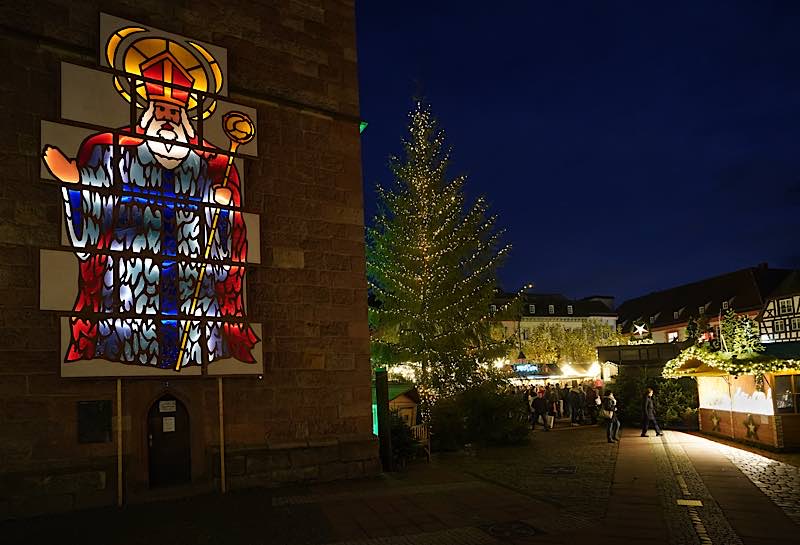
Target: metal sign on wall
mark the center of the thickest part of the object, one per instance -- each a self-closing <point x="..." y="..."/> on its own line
<point x="150" y="279"/>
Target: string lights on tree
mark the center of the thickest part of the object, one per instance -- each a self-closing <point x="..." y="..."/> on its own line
<point x="431" y="264"/>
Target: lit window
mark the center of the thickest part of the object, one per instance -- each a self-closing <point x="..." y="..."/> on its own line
<point x="569" y="309"/>
<point x="780" y="326"/>
<point x="672" y="336"/>
<point x="786" y="306"/>
<point x="493" y="308"/>
<point x="531" y="309"/>
<point x="675" y="315"/>
<point x="724" y="305"/>
<point x="652" y="319"/>
<point x="701" y="310"/>
<point x="795" y="324"/>
<point x="551" y="309"/>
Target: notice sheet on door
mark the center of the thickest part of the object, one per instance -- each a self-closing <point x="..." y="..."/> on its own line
<point x="168" y="424"/>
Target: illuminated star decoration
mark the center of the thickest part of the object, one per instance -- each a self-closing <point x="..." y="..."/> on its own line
<point x="715" y="420"/>
<point x="752" y="427"/>
<point x="641" y="330"/>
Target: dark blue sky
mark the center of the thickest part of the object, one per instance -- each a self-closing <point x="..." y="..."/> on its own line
<point x="625" y="146"/>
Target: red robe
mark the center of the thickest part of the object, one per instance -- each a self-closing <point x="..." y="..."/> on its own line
<point x="240" y="337"/>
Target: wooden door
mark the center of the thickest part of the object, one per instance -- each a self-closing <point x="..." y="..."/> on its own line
<point x="169" y="443"/>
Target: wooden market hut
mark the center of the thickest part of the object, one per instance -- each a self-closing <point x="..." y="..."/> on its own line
<point x="753" y="399"/>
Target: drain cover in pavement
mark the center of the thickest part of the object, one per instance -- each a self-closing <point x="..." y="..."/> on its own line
<point x="559" y="470"/>
<point x="510" y="530"/>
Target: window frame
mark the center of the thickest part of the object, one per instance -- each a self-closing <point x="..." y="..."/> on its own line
<point x="775" y="326"/>
<point x="551" y="309"/>
<point x="794" y="383"/>
<point x="569" y="309"/>
<point x="781" y="311"/>
<point x="531" y="309"/>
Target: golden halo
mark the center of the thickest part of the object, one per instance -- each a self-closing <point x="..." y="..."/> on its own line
<point x="129" y="47"/>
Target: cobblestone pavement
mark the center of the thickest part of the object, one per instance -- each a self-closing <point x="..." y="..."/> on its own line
<point x="457" y="536"/>
<point x="779" y="481"/>
<point x="541" y="470"/>
<point x="678" y="480"/>
<point x="564" y="486"/>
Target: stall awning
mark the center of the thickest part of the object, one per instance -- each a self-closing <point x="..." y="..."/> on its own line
<point x="700" y="361"/>
<point x="553" y="370"/>
<point x="698" y="368"/>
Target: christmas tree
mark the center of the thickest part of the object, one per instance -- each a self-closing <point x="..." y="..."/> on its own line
<point x="431" y="264"/>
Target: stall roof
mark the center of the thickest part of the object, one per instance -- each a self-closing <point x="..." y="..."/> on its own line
<point x="786" y="351"/>
<point x="700" y="361"/>
<point x="396" y="389"/>
<point x="698" y="368"/>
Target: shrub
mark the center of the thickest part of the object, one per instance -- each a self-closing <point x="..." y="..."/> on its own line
<point x="481" y="415"/>
<point x="403" y="444"/>
<point x="676" y="399"/>
<point x="447" y="425"/>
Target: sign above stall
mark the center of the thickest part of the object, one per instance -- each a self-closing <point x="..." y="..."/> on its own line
<point x="536" y="369"/>
<point x="158" y="238"/>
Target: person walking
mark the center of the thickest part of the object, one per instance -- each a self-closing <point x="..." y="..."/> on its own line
<point x="610" y="408"/>
<point x="540" y="409"/>
<point x="559" y="401"/>
<point x="565" y="398"/>
<point x="649" y="413"/>
<point x="576" y="401"/>
<point x="527" y="401"/>
<point x="592" y="403"/>
<point x="552" y="404"/>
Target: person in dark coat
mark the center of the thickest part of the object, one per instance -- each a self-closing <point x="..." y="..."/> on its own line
<point x="577" y="399"/>
<point x="649" y="413"/>
<point x="592" y="404"/>
<point x="539" y="407"/>
<point x="610" y="408"/>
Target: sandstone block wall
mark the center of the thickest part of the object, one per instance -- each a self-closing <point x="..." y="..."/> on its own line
<point x="309" y="416"/>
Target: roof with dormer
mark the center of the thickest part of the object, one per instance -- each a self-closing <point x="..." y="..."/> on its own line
<point x="745" y="290"/>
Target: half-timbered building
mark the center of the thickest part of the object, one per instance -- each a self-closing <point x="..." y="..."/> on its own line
<point x="779" y="321"/>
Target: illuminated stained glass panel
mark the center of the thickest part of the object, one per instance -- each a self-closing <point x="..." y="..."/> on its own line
<point x="153" y="213"/>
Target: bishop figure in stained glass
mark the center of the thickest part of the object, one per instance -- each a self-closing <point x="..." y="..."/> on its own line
<point x="160" y="280"/>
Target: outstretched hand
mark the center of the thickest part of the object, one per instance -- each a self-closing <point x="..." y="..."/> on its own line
<point x="223" y="195"/>
<point x="60" y="166"/>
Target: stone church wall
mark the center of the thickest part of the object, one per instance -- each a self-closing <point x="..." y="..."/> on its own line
<point x="308" y="417"/>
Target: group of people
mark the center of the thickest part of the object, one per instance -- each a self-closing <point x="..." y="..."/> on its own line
<point x="582" y="404"/>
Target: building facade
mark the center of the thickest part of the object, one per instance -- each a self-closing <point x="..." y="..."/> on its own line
<point x="780" y="319"/>
<point x="183" y="253"/>
<point x="662" y="316"/>
<point x="555" y="309"/>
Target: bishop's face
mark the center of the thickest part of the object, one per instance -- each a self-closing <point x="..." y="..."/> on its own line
<point x="167" y="123"/>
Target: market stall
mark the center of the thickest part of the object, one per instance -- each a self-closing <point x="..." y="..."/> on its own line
<point x="751" y="398"/>
<point x="535" y="374"/>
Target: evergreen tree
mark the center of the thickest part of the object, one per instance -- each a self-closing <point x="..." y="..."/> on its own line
<point x="431" y="264"/>
<point x="740" y="334"/>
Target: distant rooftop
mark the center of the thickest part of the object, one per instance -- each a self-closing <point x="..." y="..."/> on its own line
<point x="744" y="290"/>
<point x="538" y="305"/>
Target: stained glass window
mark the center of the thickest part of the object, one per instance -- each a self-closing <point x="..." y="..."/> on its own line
<point x="153" y="213"/>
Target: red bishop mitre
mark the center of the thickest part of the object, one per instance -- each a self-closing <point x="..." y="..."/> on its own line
<point x="166" y="69"/>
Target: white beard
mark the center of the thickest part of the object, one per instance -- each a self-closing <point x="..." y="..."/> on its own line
<point x="168" y="155"/>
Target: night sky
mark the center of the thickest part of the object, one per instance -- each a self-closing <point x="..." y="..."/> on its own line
<point x="626" y="147"/>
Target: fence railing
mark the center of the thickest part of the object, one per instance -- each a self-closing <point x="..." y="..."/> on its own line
<point x="421" y="434"/>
